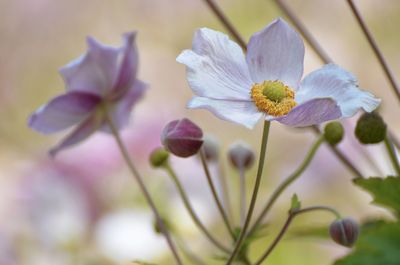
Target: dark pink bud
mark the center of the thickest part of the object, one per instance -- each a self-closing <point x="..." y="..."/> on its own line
<point x="241" y="155"/>
<point x="182" y="137"/>
<point x="344" y="232"/>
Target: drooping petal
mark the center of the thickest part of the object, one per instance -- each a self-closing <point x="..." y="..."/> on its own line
<point x="276" y="53"/>
<point x="83" y="131"/>
<point x="311" y="112"/>
<point x="128" y="65"/>
<point x="94" y="72"/>
<point x="241" y="112"/>
<point x="63" y="111"/>
<point x="335" y="82"/>
<point x="120" y="111"/>
<point x="216" y="67"/>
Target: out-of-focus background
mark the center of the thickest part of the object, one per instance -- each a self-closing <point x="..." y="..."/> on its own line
<point x="83" y="207"/>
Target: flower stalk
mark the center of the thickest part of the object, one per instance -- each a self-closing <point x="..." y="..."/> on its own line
<point x="392" y="155"/>
<point x="291" y="216"/>
<point x="139" y="180"/>
<point x="249" y="215"/>
<point x="294" y="176"/>
<point x="190" y="209"/>
<point x="214" y="193"/>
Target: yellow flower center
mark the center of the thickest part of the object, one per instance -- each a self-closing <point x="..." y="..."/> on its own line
<point x="273" y="97"/>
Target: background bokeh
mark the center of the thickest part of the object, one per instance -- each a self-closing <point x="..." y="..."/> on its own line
<point x="83" y="207"/>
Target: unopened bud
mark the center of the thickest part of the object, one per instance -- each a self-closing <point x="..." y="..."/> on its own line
<point x="334" y="132"/>
<point x="344" y="232"/>
<point x="159" y="157"/>
<point x="241" y="155"/>
<point x="210" y="148"/>
<point x="371" y="128"/>
<point x="182" y="137"/>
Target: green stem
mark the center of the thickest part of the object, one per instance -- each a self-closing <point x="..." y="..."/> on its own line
<point x="287" y="224"/>
<point x="243" y="231"/>
<point x="297" y="173"/>
<point x="192" y="213"/>
<point x="138" y="178"/>
<point x="243" y="197"/>
<point x="225" y="190"/>
<point x="214" y="193"/>
<point x="392" y="155"/>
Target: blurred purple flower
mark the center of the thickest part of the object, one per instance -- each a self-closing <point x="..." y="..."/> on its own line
<point x="267" y="81"/>
<point x="103" y="76"/>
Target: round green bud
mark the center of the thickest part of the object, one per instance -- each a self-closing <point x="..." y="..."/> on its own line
<point x="274" y="91"/>
<point x="370" y="129"/>
<point x="334" y="132"/>
<point x="159" y="157"/>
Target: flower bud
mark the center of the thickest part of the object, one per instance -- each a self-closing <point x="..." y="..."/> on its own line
<point x="241" y="155"/>
<point x="370" y="129"/>
<point x="334" y="132"/>
<point x="159" y="157"/>
<point x="344" y="231"/>
<point x="210" y="148"/>
<point x="182" y="137"/>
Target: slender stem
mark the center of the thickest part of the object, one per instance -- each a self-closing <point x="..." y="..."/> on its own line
<point x="392" y="155"/>
<point x="243" y="196"/>
<point x="214" y="193"/>
<point x="188" y="252"/>
<point x="138" y="178"/>
<point x="286" y="226"/>
<point x="255" y="193"/>
<point x="296" y="174"/>
<point x="225" y="190"/>
<point x="225" y="21"/>
<point x="375" y="48"/>
<point x="192" y="213"/>
<point x="304" y="32"/>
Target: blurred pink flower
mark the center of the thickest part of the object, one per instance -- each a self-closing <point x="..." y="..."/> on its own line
<point x="103" y="76"/>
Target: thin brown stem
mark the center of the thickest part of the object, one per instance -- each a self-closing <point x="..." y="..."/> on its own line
<point x="225" y="190"/>
<point x="375" y="48"/>
<point x="285" y="227"/>
<point x="139" y="180"/>
<point x="214" y="193"/>
<point x="226" y="22"/>
<point x="304" y="32"/>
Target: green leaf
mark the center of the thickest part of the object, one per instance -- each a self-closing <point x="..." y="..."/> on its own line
<point x="378" y="245"/>
<point x="386" y="192"/>
<point x="296" y="204"/>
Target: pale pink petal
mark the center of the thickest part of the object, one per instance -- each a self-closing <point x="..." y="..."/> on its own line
<point x="335" y="82"/>
<point x="120" y="110"/>
<point x="94" y="72"/>
<point x="216" y="67"/>
<point x="241" y="112"/>
<point x="83" y="131"/>
<point x="311" y="112"/>
<point x="63" y="111"/>
<point x="276" y="53"/>
<point x="128" y="65"/>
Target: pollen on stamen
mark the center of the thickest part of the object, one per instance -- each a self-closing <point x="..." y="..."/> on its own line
<point x="275" y="106"/>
